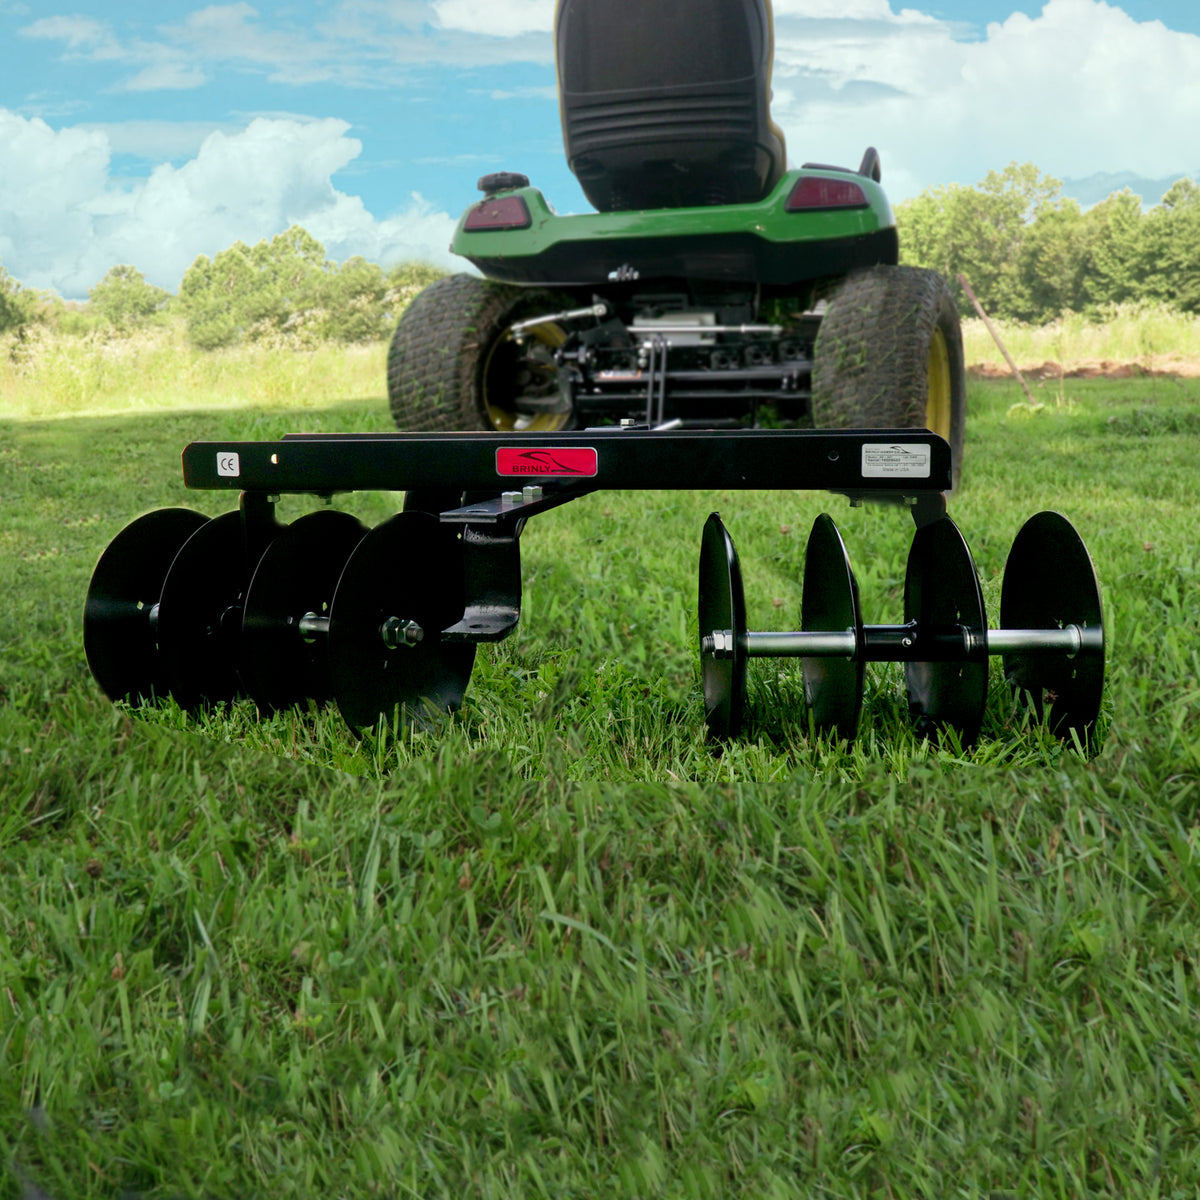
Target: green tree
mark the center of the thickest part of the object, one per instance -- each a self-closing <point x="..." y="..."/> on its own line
<point x="287" y="288"/>
<point x="1170" y="248"/>
<point x="981" y="232"/>
<point x="1031" y="254"/>
<point x="125" y="300"/>
<point x="211" y="296"/>
<point x="354" y="302"/>
<point x="404" y="283"/>
<point x="18" y="305"/>
<point x="407" y="279"/>
<point x="921" y="223"/>
<point x="1114" y="266"/>
<point x="1052" y="262"/>
<point x="252" y="292"/>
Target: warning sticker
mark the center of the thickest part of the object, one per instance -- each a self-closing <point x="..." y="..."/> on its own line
<point x="549" y="460"/>
<point x="227" y="464"/>
<point x="888" y="461"/>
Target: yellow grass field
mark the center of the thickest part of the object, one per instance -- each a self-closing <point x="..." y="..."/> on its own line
<point x="45" y="375"/>
<point x="1152" y="339"/>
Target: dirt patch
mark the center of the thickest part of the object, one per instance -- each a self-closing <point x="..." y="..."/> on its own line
<point x="1094" y="368"/>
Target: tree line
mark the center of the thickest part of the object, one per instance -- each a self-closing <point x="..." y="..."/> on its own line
<point x="282" y="289"/>
<point x="1029" y="253"/>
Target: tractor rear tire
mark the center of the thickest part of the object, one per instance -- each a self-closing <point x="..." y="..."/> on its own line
<point x="889" y="355"/>
<point x="453" y="366"/>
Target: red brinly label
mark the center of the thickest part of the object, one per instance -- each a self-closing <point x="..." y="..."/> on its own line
<point x="550" y="460"/>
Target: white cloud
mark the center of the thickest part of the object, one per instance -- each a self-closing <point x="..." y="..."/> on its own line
<point x="64" y="221"/>
<point x="497" y="18"/>
<point x="232" y="33"/>
<point x="526" y="93"/>
<point x="845" y="10"/>
<point x="368" y="43"/>
<point x="78" y="32"/>
<point x="167" y="76"/>
<point x="459" y="160"/>
<point x="219" y="33"/>
<point x="1080" y="88"/>
<point x="47" y="183"/>
<point x="161" y="141"/>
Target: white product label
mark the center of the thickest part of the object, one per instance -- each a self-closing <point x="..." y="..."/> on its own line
<point x="883" y="461"/>
<point x="228" y="465"/>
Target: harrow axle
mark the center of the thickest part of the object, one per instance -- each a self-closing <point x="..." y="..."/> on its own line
<point x="313" y="628"/>
<point x="944" y="644"/>
<point x="902" y="643"/>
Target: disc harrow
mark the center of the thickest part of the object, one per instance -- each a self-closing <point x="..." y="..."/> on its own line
<point x="285" y="620"/>
<point x="384" y="623"/>
<point x="1051" y="636"/>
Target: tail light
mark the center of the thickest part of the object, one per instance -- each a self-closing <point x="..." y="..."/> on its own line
<point x="813" y="191"/>
<point x="499" y="212"/>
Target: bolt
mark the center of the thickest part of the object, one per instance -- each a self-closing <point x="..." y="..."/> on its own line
<point x="719" y="643"/>
<point x="397" y="632"/>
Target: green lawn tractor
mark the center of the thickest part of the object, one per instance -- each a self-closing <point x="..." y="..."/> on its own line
<point x="713" y="286"/>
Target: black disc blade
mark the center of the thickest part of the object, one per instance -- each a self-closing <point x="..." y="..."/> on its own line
<point x="119" y="636"/>
<point x="199" y="615"/>
<point x="409" y="568"/>
<point x="941" y="592"/>
<point x="296" y="576"/>
<point x="1050" y="583"/>
<point x="833" y="687"/>
<point x="723" y="611"/>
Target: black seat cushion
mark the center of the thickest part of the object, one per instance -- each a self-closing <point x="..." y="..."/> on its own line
<point x="665" y="102"/>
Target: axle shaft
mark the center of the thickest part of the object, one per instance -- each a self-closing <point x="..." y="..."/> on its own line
<point x="313" y="627"/>
<point x="904" y="643"/>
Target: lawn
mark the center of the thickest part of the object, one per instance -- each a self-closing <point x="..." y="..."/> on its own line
<point x="563" y="947"/>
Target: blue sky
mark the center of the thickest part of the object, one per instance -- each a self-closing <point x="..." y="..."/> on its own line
<point x="131" y="134"/>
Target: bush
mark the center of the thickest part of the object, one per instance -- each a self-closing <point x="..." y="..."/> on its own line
<point x="286" y="292"/>
<point x="124" y="300"/>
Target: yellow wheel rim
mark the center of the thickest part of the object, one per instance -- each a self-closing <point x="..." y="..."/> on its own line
<point x="512" y="367"/>
<point x="937" y="400"/>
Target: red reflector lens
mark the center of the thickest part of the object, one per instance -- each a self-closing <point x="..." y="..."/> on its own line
<point x="551" y="460"/>
<point x="811" y="191"/>
<point x="502" y="212"/>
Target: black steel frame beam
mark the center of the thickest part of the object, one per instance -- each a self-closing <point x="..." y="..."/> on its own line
<point x="883" y="463"/>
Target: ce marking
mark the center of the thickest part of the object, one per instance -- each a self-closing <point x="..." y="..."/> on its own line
<point x="228" y="465"/>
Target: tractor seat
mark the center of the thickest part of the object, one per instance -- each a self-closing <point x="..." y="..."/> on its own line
<point x="664" y="103"/>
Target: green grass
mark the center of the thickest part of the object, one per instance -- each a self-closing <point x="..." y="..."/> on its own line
<point x="564" y="948"/>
